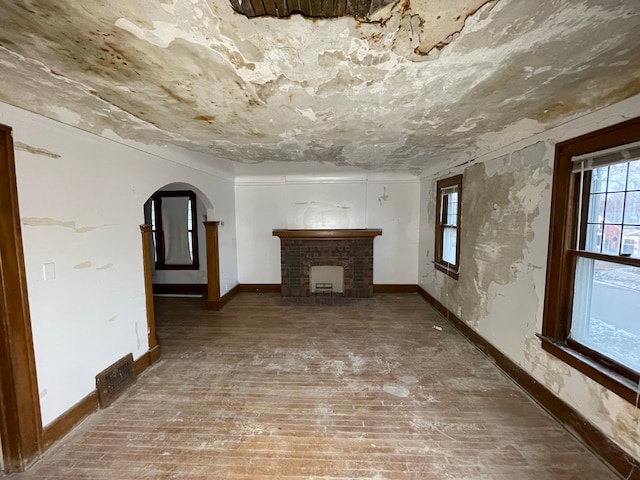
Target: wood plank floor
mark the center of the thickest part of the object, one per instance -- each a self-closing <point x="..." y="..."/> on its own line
<point x="264" y="390"/>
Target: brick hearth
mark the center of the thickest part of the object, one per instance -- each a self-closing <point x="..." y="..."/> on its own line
<point x="350" y="249"/>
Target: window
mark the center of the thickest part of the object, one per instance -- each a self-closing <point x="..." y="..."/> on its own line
<point x="172" y="215"/>
<point x="448" y="204"/>
<point x="592" y="295"/>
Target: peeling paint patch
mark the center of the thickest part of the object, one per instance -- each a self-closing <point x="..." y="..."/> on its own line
<point x="105" y="267"/>
<point x="384" y="197"/>
<point x="501" y="201"/>
<point x="112" y="319"/>
<point x="35" y="150"/>
<point x="626" y="425"/>
<point x="66" y="116"/>
<point x="82" y="265"/>
<point x="52" y="222"/>
<point x="137" y="336"/>
<point x="43" y="393"/>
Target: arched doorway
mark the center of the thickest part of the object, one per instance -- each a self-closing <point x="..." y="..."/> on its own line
<point x="183" y="254"/>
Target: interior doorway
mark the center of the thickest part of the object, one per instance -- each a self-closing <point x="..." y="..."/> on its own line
<point x="184" y="244"/>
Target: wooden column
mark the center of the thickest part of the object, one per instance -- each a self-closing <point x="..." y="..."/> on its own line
<point x="20" y="418"/>
<point x="213" y="266"/>
<point x="147" y="256"/>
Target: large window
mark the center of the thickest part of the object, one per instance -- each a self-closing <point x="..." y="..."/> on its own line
<point x="172" y="215"/>
<point x="448" y="204"/>
<point x="591" y="317"/>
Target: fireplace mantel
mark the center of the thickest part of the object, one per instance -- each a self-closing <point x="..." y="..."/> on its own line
<point x="330" y="234"/>
<point x="351" y="249"/>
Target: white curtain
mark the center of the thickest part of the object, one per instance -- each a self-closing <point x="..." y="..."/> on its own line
<point x="176" y="230"/>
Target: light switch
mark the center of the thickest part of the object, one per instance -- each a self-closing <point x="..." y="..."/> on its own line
<point x="49" y="271"/>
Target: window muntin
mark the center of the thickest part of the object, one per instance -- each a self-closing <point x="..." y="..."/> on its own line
<point x="593" y="271"/>
<point x="172" y="215"/>
<point x="448" y="206"/>
<point x="613" y="209"/>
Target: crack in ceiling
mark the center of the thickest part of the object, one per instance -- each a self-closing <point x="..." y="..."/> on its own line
<point x="421" y="82"/>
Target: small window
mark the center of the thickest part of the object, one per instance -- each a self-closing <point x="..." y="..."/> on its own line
<point x="593" y="275"/>
<point x="172" y="215"/>
<point x="448" y="205"/>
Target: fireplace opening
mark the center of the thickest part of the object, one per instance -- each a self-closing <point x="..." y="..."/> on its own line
<point x="326" y="279"/>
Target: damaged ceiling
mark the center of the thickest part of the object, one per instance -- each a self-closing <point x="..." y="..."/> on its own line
<point x="409" y="86"/>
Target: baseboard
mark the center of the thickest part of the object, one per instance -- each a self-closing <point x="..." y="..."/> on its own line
<point x="218" y="304"/>
<point x="260" y="287"/>
<point x="69" y="419"/>
<point x="394" y="288"/>
<point x="180" y="288"/>
<point x="573" y="421"/>
<point x="154" y="354"/>
<point x="146" y="360"/>
<point x="89" y="404"/>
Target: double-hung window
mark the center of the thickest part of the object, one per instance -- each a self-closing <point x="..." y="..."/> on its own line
<point x="592" y="318"/>
<point x="172" y="215"/>
<point x="448" y="205"/>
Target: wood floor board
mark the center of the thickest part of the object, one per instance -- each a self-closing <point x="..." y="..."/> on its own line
<point x="260" y="390"/>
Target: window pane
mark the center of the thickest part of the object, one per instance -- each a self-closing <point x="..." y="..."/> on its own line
<point x="599" y="179"/>
<point x="177" y="244"/>
<point x="593" y="241"/>
<point x="632" y="208"/>
<point x="617" y="178"/>
<point x="615" y="208"/>
<point x="606" y="299"/>
<point x="449" y="240"/>
<point x="153" y="214"/>
<point x="452" y="213"/>
<point x="596" y="208"/>
<point x="631" y="242"/>
<point x="611" y="240"/>
<point x="634" y="175"/>
<point x="154" y="236"/>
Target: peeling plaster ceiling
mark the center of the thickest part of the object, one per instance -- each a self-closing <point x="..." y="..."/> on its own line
<point x="416" y="84"/>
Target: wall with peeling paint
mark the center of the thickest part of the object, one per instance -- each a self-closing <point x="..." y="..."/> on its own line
<point x="504" y="237"/>
<point x="384" y="201"/>
<point x="81" y="203"/>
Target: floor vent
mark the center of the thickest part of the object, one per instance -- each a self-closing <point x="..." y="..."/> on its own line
<point x="114" y="380"/>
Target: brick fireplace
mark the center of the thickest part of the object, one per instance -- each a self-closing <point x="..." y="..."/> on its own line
<point x="350" y="249"/>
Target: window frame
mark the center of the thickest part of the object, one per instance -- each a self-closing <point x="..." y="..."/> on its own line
<point x="440" y="264"/>
<point x="158" y="232"/>
<point x="562" y="259"/>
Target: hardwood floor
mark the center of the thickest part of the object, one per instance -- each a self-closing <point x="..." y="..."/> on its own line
<point x="263" y="390"/>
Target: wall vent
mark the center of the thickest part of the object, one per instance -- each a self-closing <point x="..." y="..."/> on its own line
<point x="114" y="380"/>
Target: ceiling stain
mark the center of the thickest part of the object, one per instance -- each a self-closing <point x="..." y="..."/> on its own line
<point x="415" y="84"/>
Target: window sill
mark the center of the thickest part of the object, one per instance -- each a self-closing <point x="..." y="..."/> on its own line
<point x="598" y="372"/>
<point x="444" y="269"/>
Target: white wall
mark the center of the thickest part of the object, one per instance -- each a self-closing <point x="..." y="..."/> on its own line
<point x="81" y="203"/>
<point x="504" y="237"/>
<point x="387" y="201"/>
